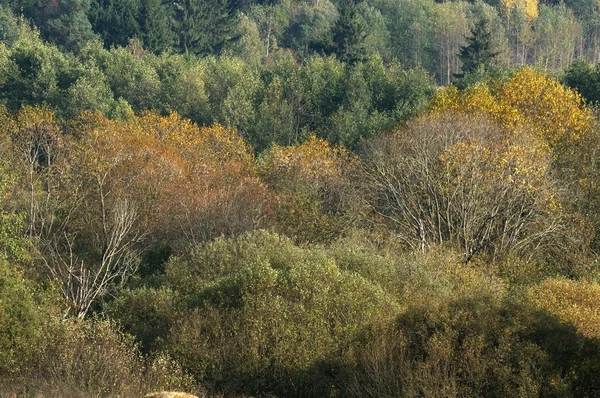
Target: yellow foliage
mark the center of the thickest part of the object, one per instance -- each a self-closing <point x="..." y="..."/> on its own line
<point x="310" y="178"/>
<point x="529" y="7"/>
<point x="205" y="147"/>
<point x="576" y="302"/>
<point x="178" y="174"/>
<point x="529" y="100"/>
<point x="312" y="159"/>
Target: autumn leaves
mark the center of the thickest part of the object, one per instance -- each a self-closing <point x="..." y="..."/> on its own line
<point x="482" y="171"/>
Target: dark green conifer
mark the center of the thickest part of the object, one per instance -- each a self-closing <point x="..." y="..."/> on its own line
<point x="156" y="30"/>
<point x="204" y="26"/>
<point x="479" y="53"/>
<point x="349" y="34"/>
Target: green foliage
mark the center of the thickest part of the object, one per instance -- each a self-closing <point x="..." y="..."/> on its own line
<point x="9" y="29"/>
<point x="132" y="79"/>
<point x="269" y="316"/>
<point x="147" y="314"/>
<point x="156" y="33"/>
<point x="20" y="318"/>
<point x="480" y="347"/>
<point x="585" y="78"/>
<point x="117" y="21"/>
<point x="310" y="28"/>
<point x="349" y="33"/>
<point x="34" y="73"/>
<point x="479" y="52"/>
<point x="65" y="23"/>
<point x="204" y="26"/>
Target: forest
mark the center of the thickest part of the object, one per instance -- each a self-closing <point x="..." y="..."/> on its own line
<point x="300" y="198"/>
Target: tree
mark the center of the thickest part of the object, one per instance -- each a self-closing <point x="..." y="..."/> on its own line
<point x="203" y="26"/>
<point x="21" y="318"/>
<point x="585" y="78"/>
<point x="349" y="33"/>
<point x="557" y="35"/>
<point x="479" y="52"/>
<point x="156" y="33"/>
<point x="449" y="28"/>
<point x="274" y="295"/>
<point x="557" y="116"/>
<point x="311" y="180"/>
<point x="275" y="119"/>
<point x="9" y="25"/>
<point x="310" y="29"/>
<point x="66" y="24"/>
<point x="528" y="7"/>
<point x="271" y="19"/>
<point x="526" y="100"/>
<point x="462" y="180"/>
<point x="117" y="21"/>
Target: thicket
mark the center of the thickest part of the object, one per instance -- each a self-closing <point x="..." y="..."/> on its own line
<point x="274" y="198"/>
<point x="452" y="255"/>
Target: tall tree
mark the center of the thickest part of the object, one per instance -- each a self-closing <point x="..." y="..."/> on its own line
<point x="479" y="51"/>
<point x="116" y="21"/>
<point x="64" y="22"/>
<point x="349" y="33"/>
<point x="204" y="26"/>
<point x="155" y="26"/>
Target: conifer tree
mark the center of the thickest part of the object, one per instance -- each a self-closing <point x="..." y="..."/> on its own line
<point x="156" y="31"/>
<point x="204" y="26"/>
<point x="349" y="34"/>
<point x="479" y="52"/>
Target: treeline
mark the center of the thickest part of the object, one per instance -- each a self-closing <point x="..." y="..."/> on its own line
<point x="418" y="33"/>
<point x="453" y="255"/>
<point x="282" y="102"/>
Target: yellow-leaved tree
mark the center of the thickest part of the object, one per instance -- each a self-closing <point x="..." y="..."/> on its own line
<point x="528" y="7"/>
<point x="530" y="101"/>
<point x="486" y="170"/>
<point x="449" y="178"/>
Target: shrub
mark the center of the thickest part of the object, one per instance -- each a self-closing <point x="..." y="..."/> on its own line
<point x="268" y="316"/>
<point x="478" y="347"/>
<point x="20" y="319"/>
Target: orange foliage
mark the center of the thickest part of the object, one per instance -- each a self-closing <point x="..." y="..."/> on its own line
<point x="312" y="160"/>
<point x="311" y="180"/>
<point x="182" y="177"/>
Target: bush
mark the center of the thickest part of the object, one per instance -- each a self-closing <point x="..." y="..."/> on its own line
<point x="268" y="316"/>
<point x="81" y="358"/>
<point x="147" y="314"/>
<point x="92" y="357"/>
<point x="476" y="348"/>
<point x="20" y="319"/>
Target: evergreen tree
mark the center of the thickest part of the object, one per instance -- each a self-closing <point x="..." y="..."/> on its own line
<point x="155" y="25"/>
<point x="479" y="52"/>
<point x="204" y="26"/>
<point x="66" y="24"/>
<point x="116" y="21"/>
<point x="349" y="33"/>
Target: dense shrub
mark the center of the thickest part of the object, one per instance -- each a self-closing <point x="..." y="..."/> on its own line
<point x="93" y="358"/>
<point x="146" y="313"/>
<point x="20" y="319"/>
<point x="267" y="316"/>
<point x="478" y="347"/>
